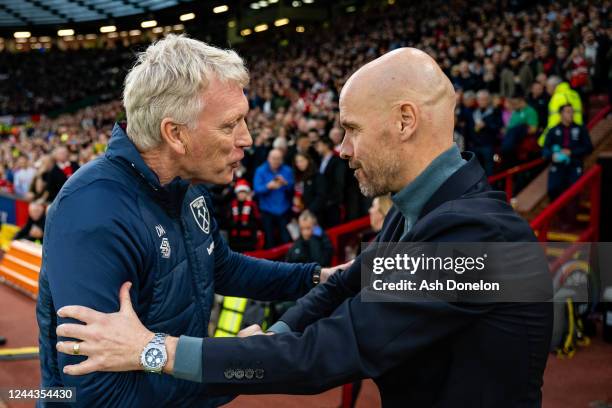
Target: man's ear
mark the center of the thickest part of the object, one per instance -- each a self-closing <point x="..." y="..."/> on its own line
<point x="408" y="120"/>
<point x="173" y="134"/>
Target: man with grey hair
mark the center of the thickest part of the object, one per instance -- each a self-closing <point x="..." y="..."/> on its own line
<point x="141" y="214"/>
<point x="487" y="126"/>
<point x="397" y="112"/>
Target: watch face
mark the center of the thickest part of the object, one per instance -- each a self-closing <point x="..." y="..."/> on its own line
<point x="153" y="358"/>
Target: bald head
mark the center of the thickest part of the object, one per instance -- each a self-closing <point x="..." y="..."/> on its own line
<point x="275" y="159"/>
<point x="406" y="75"/>
<point x="398" y="113"/>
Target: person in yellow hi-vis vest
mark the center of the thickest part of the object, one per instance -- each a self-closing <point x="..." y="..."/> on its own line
<point x="562" y="94"/>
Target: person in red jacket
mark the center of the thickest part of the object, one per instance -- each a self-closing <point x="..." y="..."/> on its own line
<point x="244" y="219"/>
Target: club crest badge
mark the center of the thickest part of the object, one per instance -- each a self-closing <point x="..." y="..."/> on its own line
<point x="201" y="214"/>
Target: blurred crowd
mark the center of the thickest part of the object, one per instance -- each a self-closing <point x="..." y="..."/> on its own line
<point x="510" y="66"/>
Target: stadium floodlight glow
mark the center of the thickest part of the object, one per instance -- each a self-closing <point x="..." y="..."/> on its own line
<point x="65" y="32"/>
<point x="178" y="27"/>
<point x="108" y="29"/>
<point x="188" y="16"/>
<point x="391" y="2"/>
<point x="263" y="3"/>
<point x="254" y="6"/>
<point x="261" y="27"/>
<point x="123" y="34"/>
<point x="44" y="39"/>
<point x="281" y="22"/>
<point x="158" y="30"/>
<point x="231" y="24"/>
<point x="296" y="3"/>
<point x="245" y="32"/>
<point x="134" y="33"/>
<point x="148" y="24"/>
<point x="308" y="1"/>
<point x="220" y="9"/>
<point x="22" y="34"/>
<point x="351" y="9"/>
<point x="91" y="37"/>
<point x="113" y="35"/>
<point x="272" y="1"/>
<point x="21" y="40"/>
<point x="300" y="29"/>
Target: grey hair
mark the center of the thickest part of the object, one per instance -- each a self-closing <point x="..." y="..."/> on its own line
<point x="306" y="215"/>
<point x="482" y="92"/>
<point x="167" y="81"/>
<point x="553" y="81"/>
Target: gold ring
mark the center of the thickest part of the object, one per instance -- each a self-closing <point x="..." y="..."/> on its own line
<point x="76" y="349"/>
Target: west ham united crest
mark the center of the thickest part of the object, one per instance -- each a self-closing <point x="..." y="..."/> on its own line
<point x="201" y="214"/>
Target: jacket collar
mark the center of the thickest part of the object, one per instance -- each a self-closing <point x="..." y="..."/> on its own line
<point x="457" y="184"/>
<point x="411" y="199"/>
<point x="122" y="150"/>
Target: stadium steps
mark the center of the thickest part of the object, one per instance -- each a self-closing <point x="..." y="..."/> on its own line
<point x="20" y="267"/>
<point x="533" y="198"/>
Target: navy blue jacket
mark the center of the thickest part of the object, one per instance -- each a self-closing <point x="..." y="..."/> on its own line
<point x="420" y="354"/>
<point x="113" y="222"/>
<point x="578" y="142"/>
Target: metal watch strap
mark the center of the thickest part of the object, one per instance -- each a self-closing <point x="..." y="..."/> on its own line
<point x="316" y="275"/>
<point x="159" y="338"/>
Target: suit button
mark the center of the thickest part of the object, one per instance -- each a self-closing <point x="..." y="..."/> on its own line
<point x="249" y="373"/>
<point x="259" y="373"/>
<point x="239" y="373"/>
<point x="229" y="373"/>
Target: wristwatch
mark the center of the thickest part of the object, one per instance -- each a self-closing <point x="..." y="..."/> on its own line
<point x="154" y="357"/>
<point x="316" y="275"/>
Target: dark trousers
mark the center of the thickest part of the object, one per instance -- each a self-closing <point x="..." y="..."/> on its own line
<point x="510" y="143"/>
<point x="561" y="177"/>
<point x="273" y="224"/>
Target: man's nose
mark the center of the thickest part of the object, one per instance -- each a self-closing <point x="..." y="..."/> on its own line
<point x="244" y="138"/>
<point x="346" y="149"/>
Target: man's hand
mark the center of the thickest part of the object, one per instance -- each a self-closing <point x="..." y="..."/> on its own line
<point x="273" y="185"/>
<point x="253" y="330"/>
<point x="327" y="272"/>
<point x="112" y="342"/>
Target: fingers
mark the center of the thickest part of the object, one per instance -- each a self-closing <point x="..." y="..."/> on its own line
<point x="124" y="298"/>
<point x="250" y="331"/>
<point x="75" y="331"/>
<point x="86" y="367"/>
<point x="81" y="313"/>
<point x="67" y="347"/>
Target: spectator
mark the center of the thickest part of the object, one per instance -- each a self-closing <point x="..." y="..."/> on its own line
<point x="378" y="211"/>
<point x="487" y="126"/>
<point x="538" y="100"/>
<point x="309" y="186"/>
<point x="24" y="174"/>
<point x="34" y="228"/>
<point x="336" y="135"/>
<point x="523" y="123"/>
<point x="333" y="169"/>
<point x="567" y="144"/>
<point x="5" y="185"/>
<point x="273" y="187"/>
<point x="244" y="219"/>
<point x="313" y="245"/>
<point x="561" y="94"/>
<point x="302" y="145"/>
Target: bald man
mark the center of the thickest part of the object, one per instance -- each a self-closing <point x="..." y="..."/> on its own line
<point x="397" y="112"/>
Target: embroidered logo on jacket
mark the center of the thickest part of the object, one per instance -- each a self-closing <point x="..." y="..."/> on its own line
<point x="210" y="248"/>
<point x="201" y="214"/>
<point x="165" y="248"/>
